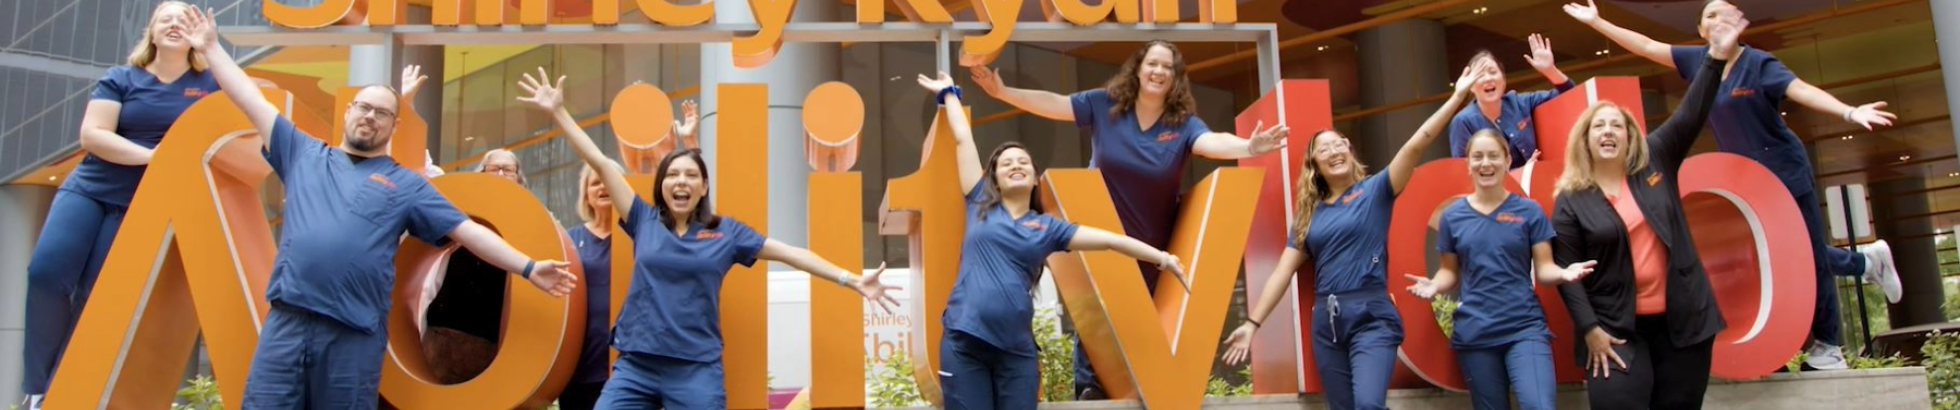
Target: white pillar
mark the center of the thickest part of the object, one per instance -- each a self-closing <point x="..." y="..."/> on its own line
<point x="23" y="208"/>
<point x="797" y="68"/>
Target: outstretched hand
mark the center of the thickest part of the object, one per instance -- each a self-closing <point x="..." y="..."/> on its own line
<point x="552" y="278"/>
<point x="877" y="292"/>
<point x="544" y="95"/>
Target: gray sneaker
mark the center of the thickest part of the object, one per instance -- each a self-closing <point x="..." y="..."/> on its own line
<point x="1824" y="356"/>
<point x="1881" y="271"/>
<point x="33" y="402"/>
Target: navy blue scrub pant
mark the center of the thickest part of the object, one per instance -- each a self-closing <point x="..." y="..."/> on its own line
<point x="1355" y="336"/>
<point x="308" y="361"/>
<point x="644" y="381"/>
<point x="1831" y="262"/>
<point x="975" y="375"/>
<point x="60" y="274"/>
<point x="1524" y="366"/>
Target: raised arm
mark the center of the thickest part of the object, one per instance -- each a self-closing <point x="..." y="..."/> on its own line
<point x="1637" y="43"/>
<point x="1404" y="164"/>
<point x="550" y="97"/>
<point x="1541" y="59"/>
<point x="1043" y="103"/>
<point x="1092" y="239"/>
<point x="1225" y="146"/>
<point x="807" y="261"/>
<point x="965" y="153"/>
<point x="1238" y="346"/>
<point x="1870" y="115"/>
<point x="203" y="37"/>
<point x="548" y="275"/>
<point x="1672" y="140"/>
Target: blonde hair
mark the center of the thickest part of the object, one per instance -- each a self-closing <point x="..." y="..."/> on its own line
<point x="1312" y="187"/>
<point x="1579" y="155"/>
<point x="585" y="211"/>
<point x="146" y="50"/>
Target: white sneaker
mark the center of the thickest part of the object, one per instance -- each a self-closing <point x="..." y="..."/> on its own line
<point x="1880" y="270"/>
<point x="1824" y="356"/>
<point x="33" y="402"/>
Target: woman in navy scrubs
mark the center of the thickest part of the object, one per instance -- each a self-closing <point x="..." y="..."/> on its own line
<point x="1748" y="121"/>
<point x="129" y="111"/>
<point x="1355" y="327"/>
<point x="593" y="239"/>
<point x="668" y="334"/>
<point x="988" y="354"/>
<point x="1507" y="112"/>
<point x="1144" y="128"/>
<point x="1497" y="239"/>
<point x="1648" y="315"/>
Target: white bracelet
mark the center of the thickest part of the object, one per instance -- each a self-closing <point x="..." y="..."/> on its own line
<point x="844" y="279"/>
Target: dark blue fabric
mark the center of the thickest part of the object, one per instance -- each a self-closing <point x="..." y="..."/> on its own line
<point x="644" y="381"/>
<point x="1748" y="117"/>
<point x="149" y="108"/>
<point x="60" y="275"/>
<point x="308" y="361"/>
<point x="1494" y="266"/>
<point x="1355" y="337"/>
<point x="1348" y="239"/>
<point x="1000" y="262"/>
<point x="1825" y="324"/>
<point x="1513" y="120"/>
<point x="673" y="305"/>
<point x="1524" y="366"/>
<point x="975" y="375"/>
<point x="343" y="222"/>
<point x="595" y="255"/>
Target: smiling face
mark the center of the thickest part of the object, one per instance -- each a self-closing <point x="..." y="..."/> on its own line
<point x="1157" y="71"/>
<point x="1489" y="159"/>
<point x="1333" y="157"/>
<point x="683" y="184"/>
<point x="1606" y="135"/>
<point x="1492" y="88"/>
<point x="168" y="26"/>
<point x="370" y="120"/>
<point x="1014" y="171"/>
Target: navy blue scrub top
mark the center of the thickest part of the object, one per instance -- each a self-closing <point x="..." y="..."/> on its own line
<point x="1143" y="168"/>
<point x="1747" y="117"/>
<point x="1348" y="239"/>
<point x="149" y="107"/>
<point x="344" y="217"/>
<point x="595" y="255"/>
<point x="1000" y="260"/>
<point x="673" y="305"/>
<point x="1513" y="120"/>
<point x="1494" y="264"/>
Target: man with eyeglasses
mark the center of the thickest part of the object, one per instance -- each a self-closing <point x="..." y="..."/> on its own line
<point x="346" y="208"/>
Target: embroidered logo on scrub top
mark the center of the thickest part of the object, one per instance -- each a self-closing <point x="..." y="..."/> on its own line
<point x="1509" y="218"/>
<point x="707" y="235"/>
<point x="1742" y="92"/>
<point x="1167" y="136"/>
<point x="1653" y="179"/>
<point x="381" y="180"/>
<point x="1351" y="196"/>
<point x="195" y="92"/>
<point x="1523" y="123"/>
<point x="1035" y="225"/>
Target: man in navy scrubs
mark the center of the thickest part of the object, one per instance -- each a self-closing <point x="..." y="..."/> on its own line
<point x="346" y="209"/>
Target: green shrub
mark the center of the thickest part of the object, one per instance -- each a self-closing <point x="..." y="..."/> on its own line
<point x="1942" y="362"/>
<point x="1057" y="357"/>
<point x="1445" y="308"/>
<point x="894" y="386"/>
<point x="1219" y="387"/>
<point x="200" y="393"/>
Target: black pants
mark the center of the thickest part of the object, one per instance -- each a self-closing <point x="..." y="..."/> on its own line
<point x="580" y="396"/>
<point x="1659" y="375"/>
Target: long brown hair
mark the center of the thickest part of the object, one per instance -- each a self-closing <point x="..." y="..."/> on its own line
<point x="1578" y="149"/>
<point x="1124" y="87"/>
<point x="146" y="50"/>
<point x="990" y="195"/>
<point x="1312" y="187"/>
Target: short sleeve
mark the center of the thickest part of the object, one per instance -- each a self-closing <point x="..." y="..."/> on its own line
<point x="1377" y="186"/>
<point x="1193" y="129"/>
<point x="113" y="86"/>
<point x="1445" y="241"/>
<point x="973" y="193"/>
<point x="1537" y="227"/>
<point x="286" y="144"/>
<point x="1687" y="59"/>
<point x="638" y="214"/>
<point x="1774" y="78"/>
<point x="1058" y="235"/>
<point x="431" y="216"/>
<point x="746" y="243"/>
<point x="1088" y="106"/>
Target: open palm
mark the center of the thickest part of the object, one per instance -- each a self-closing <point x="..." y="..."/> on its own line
<point x="544" y="95"/>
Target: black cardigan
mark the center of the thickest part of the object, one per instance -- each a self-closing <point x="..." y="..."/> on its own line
<point x="1589" y="228"/>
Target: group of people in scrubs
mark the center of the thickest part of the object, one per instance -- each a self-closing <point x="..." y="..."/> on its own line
<point x="1616" y="244"/>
